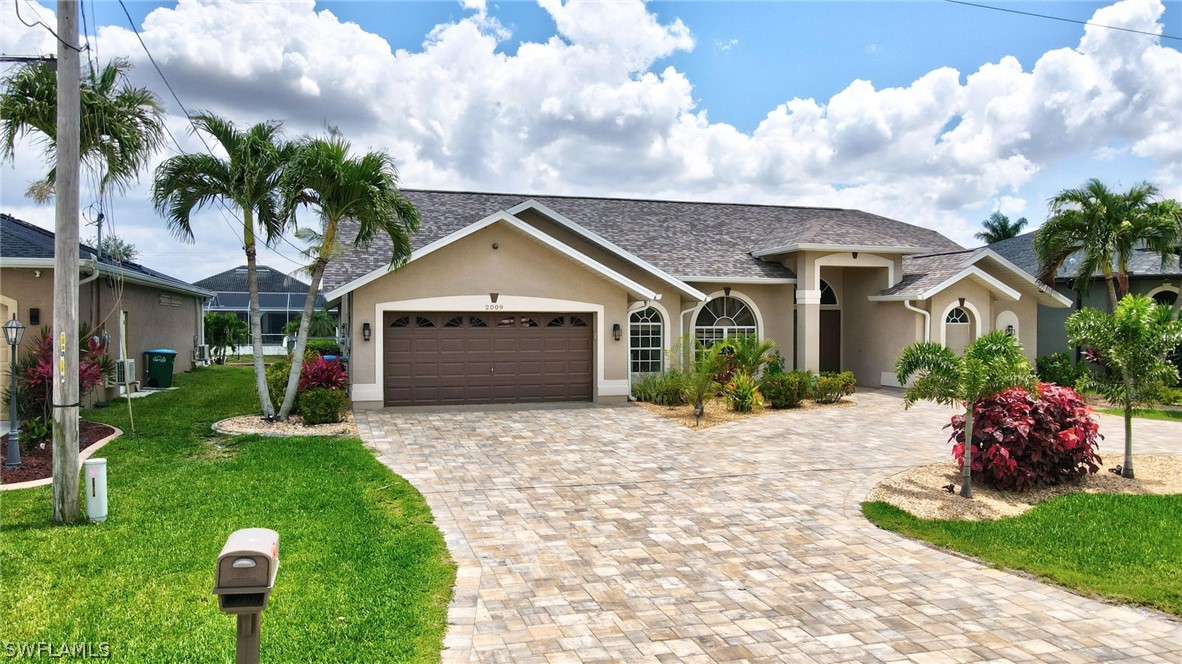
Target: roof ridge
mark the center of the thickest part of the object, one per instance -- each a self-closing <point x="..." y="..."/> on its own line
<point x="630" y="200"/>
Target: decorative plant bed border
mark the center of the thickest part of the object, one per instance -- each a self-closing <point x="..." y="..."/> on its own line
<point x="82" y="456"/>
<point x="253" y="425"/>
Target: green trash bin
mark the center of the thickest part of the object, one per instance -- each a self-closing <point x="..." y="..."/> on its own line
<point x="158" y="368"/>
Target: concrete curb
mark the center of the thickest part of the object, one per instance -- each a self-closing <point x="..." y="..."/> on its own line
<point x="82" y="456"/>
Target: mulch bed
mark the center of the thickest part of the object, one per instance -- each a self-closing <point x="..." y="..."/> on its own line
<point x="37" y="457"/>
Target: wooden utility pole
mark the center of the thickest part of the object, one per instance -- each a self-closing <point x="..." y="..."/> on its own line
<point x="65" y="269"/>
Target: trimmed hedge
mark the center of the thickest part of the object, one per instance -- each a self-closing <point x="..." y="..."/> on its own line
<point x="321" y="405"/>
<point x="787" y="390"/>
<point x="831" y="387"/>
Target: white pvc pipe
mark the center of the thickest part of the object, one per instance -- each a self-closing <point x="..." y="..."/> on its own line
<point x="927" y="319"/>
<point x="95" y="474"/>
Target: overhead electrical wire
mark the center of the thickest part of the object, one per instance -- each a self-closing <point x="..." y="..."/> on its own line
<point x="1060" y="18"/>
<point x="39" y="22"/>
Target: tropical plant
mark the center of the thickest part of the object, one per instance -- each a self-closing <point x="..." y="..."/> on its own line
<point x="700" y="367"/>
<point x="1135" y="339"/>
<point x="223" y="331"/>
<point x="831" y="387"/>
<point x="117" y="248"/>
<point x="1104" y="228"/>
<point x="323" y="324"/>
<point x="998" y="227"/>
<point x="322" y="347"/>
<point x="364" y="190"/>
<point x="323" y="372"/>
<point x="247" y="179"/>
<point x="1058" y="368"/>
<point x="786" y="390"/>
<point x="321" y="405"/>
<point x="121" y="126"/>
<point x="742" y="393"/>
<point x="1024" y="440"/>
<point x="749" y="353"/>
<point x="277" y="372"/>
<point x="1170" y="247"/>
<point x="666" y="389"/>
<point x="990" y="364"/>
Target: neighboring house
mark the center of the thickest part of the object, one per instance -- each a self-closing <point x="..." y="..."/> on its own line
<point x="1147" y="276"/>
<point x="512" y="298"/>
<point x="281" y="299"/>
<point x="154" y="309"/>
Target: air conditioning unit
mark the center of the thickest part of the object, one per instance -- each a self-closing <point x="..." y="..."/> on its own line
<point x="124" y="373"/>
<point x="201" y="353"/>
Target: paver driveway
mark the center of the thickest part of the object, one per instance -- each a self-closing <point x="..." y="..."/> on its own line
<point x="612" y="534"/>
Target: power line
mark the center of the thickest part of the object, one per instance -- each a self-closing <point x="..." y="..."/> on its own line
<point x="1060" y="18"/>
<point x="16" y="4"/>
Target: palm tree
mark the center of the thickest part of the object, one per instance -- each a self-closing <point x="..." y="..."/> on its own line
<point x="998" y="227"/>
<point x="749" y="353"/>
<point x="991" y="364"/>
<point x="322" y="324"/>
<point x="1170" y="246"/>
<point x="121" y="126"/>
<point x="248" y="180"/>
<point x="341" y="187"/>
<point x="1104" y="227"/>
<point x="1136" y="337"/>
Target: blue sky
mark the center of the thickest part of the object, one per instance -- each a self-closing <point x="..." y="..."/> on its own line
<point x="683" y="99"/>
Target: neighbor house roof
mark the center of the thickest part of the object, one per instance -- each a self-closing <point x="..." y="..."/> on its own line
<point x="1019" y="250"/>
<point x="682" y="239"/>
<point x="277" y="291"/>
<point x="24" y="245"/>
<point x="927" y="274"/>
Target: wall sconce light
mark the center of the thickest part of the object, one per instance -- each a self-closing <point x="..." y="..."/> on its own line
<point x="366" y="331"/>
<point x="961" y="300"/>
<point x="493" y="297"/>
<point x="496" y="246"/>
<point x="727" y="291"/>
<point x="1010" y="330"/>
<point x="617" y="331"/>
<point x="855" y="255"/>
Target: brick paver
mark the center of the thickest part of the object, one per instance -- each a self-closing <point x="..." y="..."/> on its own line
<point x="612" y="534"/>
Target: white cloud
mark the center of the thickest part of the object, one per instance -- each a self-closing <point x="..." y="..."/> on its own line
<point x="595" y="109"/>
<point x="726" y="44"/>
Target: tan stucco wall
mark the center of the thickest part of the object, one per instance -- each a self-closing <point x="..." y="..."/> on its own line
<point x="519" y="267"/>
<point x="873" y="333"/>
<point x="773" y="301"/>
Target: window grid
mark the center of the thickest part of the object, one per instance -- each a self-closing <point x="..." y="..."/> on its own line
<point x="957" y="316"/>
<point x="645" y="336"/>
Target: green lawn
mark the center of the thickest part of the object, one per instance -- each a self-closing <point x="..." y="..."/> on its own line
<point x="364" y="573"/>
<point x="1148" y="413"/>
<point x="1124" y="547"/>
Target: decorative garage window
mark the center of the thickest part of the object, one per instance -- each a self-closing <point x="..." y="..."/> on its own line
<point x="1165" y="296"/>
<point x="828" y="295"/>
<point x="724" y="318"/>
<point x="645" y="334"/>
<point x="401" y="321"/>
<point x="957" y="316"/>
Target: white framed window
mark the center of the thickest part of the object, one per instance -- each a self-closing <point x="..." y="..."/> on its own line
<point x="646" y="330"/>
<point x="957" y="316"/>
<point x="828" y="295"/>
<point x="724" y="318"/>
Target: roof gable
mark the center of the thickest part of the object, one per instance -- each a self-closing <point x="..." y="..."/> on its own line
<point x="270" y="280"/>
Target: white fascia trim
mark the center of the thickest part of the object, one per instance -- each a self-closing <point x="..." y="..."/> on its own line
<point x="1045" y="291"/>
<point x="739" y="280"/>
<point x="611" y="275"/>
<point x="876" y="249"/>
<point x="115" y="271"/>
<point x="990" y="282"/>
<point x="595" y="238"/>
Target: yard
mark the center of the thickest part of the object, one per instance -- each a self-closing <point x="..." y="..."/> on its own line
<point x="1123" y="547"/>
<point x="364" y="572"/>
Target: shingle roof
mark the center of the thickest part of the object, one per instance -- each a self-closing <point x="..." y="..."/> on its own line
<point x="20" y="239"/>
<point x="681" y="238"/>
<point x="270" y="281"/>
<point x="920" y="273"/>
<point x="1020" y="251"/>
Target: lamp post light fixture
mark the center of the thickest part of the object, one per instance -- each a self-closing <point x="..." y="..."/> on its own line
<point x="13" y="332"/>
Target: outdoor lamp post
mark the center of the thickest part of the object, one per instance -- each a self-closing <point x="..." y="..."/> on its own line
<point x="13" y="331"/>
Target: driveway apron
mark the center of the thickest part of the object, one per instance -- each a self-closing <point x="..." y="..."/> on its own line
<point x="613" y="534"/>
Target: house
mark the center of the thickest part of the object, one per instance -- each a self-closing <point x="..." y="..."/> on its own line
<point x="1148" y="275"/>
<point x="510" y="298"/>
<point x="152" y="309"/>
<point x="281" y="299"/>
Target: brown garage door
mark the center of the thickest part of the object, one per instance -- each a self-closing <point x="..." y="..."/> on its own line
<point x="473" y="358"/>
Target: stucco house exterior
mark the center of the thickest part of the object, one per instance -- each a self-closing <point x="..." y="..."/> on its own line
<point x="1148" y="275"/>
<point x="512" y="298"/>
<point x="281" y="300"/>
<point x="152" y="309"/>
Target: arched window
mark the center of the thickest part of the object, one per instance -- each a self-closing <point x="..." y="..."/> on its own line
<point x="957" y="316"/>
<point x="828" y="295"/>
<point x="645" y="337"/>
<point x="723" y="318"/>
<point x="1165" y="296"/>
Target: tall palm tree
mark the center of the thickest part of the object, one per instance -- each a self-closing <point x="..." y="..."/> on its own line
<point x="1104" y="227"/>
<point x="121" y="126"/>
<point x="342" y="187"/>
<point x="1169" y="247"/>
<point x="991" y="364"/>
<point x="248" y="180"/>
<point x="998" y="227"/>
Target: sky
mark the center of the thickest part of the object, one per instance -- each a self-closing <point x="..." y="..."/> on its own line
<point x="933" y="113"/>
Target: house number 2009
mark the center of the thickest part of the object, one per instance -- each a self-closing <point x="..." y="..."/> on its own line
<point x="493" y="307"/>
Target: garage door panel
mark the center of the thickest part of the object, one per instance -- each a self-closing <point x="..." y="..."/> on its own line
<point x="482" y="358"/>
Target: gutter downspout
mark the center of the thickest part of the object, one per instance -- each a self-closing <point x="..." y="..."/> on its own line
<point x="94" y="272"/>
<point x="927" y="319"/>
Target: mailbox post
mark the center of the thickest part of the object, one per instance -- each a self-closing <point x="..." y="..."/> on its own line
<point x="245" y="577"/>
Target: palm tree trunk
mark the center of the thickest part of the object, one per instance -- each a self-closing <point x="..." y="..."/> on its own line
<point x="1112" y="299"/>
<point x="966" y="485"/>
<point x="1126" y="470"/>
<point x="256" y="318"/>
<point x="297" y="353"/>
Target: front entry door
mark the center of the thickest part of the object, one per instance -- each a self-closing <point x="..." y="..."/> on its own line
<point x="830" y="340"/>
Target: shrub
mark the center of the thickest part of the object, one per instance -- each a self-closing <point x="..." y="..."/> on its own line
<point x="786" y="390"/>
<point x="277" y="373"/>
<point x="322" y="405"/>
<point x="742" y="394"/>
<point x="1057" y="368"/>
<point x="323" y="347"/>
<point x="831" y="387"/>
<point x="666" y="389"/>
<point x="775" y="366"/>
<point x="324" y="373"/>
<point x="35" y="373"/>
<point x="1021" y="442"/>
